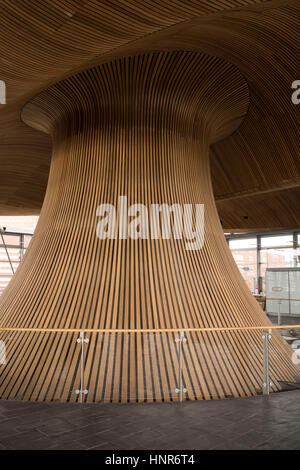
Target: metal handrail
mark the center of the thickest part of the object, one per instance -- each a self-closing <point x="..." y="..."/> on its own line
<point x="281" y="298"/>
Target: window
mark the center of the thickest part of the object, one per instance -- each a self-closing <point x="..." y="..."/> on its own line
<point x="284" y="240"/>
<point x="242" y="244"/>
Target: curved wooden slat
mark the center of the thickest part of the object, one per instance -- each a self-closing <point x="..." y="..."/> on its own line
<point x="43" y="42"/>
<point x="139" y="126"/>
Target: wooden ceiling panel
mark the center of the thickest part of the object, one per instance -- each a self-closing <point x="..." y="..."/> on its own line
<point x="44" y="42"/>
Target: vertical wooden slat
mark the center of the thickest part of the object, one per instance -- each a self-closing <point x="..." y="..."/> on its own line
<point x="142" y="127"/>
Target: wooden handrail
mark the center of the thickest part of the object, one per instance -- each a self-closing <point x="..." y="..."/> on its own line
<point x="158" y="330"/>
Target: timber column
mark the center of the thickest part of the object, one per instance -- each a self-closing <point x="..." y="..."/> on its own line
<point x="139" y="127"/>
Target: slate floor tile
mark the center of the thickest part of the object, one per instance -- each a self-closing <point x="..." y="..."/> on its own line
<point x="250" y="423"/>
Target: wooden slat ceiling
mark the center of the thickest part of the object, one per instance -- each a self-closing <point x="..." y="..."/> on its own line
<point x="256" y="171"/>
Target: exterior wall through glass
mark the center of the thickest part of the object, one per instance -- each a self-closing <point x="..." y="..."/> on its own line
<point x="12" y="249"/>
<point x="263" y="257"/>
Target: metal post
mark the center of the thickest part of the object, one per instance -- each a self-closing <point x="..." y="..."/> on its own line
<point x="258" y="265"/>
<point x="82" y="390"/>
<point x="21" y="246"/>
<point x="266" y="378"/>
<point x="279" y="313"/>
<point x="180" y="390"/>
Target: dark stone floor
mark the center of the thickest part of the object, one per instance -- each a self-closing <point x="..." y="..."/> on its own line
<point x="250" y="423"/>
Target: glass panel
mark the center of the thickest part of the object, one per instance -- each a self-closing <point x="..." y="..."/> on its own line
<point x="277" y="289"/>
<point x="294" y="284"/>
<point x="279" y="258"/>
<point x="27" y="240"/>
<point x="244" y="243"/>
<point x="231" y="364"/>
<point x="297" y="257"/>
<point x="290" y="337"/>
<point x="51" y="358"/>
<point x="10" y="254"/>
<point x="271" y="241"/>
<point x="128" y="367"/>
<point x="6" y="266"/>
<point x="11" y="240"/>
<point x="247" y="264"/>
<point x="14" y="254"/>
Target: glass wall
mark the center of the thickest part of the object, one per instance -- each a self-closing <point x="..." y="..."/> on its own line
<point x="277" y="258"/>
<point x="12" y="249"/>
<point x="244" y="252"/>
<point x="255" y="254"/>
<point x="248" y="267"/>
